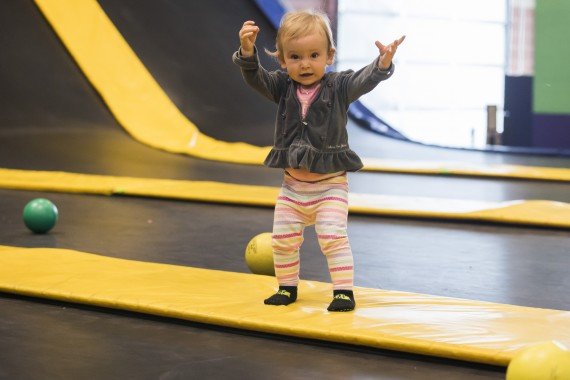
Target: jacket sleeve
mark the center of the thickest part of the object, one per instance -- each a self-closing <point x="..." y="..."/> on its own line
<point x="356" y="84"/>
<point x="268" y="84"/>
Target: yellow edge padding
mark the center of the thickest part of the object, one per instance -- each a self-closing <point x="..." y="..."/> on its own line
<point x="147" y="113"/>
<point x="467" y="169"/>
<point x="452" y="328"/>
<point x="524" y="212"/>
<point x="131" y="93"/>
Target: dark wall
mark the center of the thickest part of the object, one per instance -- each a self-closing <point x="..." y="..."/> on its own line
<point x="518" y="111"/>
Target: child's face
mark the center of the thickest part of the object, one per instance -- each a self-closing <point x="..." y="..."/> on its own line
<point x="306" y="58"/>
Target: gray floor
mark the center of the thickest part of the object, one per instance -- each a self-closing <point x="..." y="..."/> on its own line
<point x="66" y="342"/>
<point x="52" y="119"/>
<point x="484" y="262"/>
<point x="70" y="342"/>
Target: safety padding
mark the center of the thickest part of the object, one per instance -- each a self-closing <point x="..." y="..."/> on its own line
<point x="541" y="173"/>
<point x="133" y="96"/>
<point x="524" y="212"/>
<point x="415" y="323"/>
<point x="145" y="111"/>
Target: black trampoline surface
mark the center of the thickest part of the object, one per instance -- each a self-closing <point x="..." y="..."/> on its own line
<point x="51" y="119"/>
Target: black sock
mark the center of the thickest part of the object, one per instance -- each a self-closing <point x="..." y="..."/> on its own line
<point x="284" y="296"/>
<point x="343" y="300"/>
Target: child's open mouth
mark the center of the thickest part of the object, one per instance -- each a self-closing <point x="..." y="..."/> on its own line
<point x="306" y="75"/>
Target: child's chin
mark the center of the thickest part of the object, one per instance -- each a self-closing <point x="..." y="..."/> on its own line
<point x="307" y="81"/>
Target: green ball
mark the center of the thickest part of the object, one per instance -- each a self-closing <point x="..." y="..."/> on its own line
<point x="259" y="255"/>
<point x="40" y="215"/>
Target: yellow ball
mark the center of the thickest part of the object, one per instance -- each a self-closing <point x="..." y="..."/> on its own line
<point x="259" y="255"/>
<point x="544" y="361"/>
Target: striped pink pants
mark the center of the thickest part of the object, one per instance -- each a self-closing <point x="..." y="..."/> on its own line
<point x="324" y="204"/>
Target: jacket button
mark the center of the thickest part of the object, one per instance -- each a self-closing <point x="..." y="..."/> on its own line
<point x="283" y="115"/>
<point x="329" y="104"/>
<point x="329" y="84"/>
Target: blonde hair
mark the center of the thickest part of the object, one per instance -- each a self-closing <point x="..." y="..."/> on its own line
<point x="302" y="23"/>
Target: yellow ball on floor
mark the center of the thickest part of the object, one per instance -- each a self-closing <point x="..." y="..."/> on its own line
<point x="259" y="255"/>
<point x="545" y="361"/>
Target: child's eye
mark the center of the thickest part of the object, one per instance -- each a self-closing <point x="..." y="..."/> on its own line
<point x="294" y="56"/>
<point x="315" y="55"/>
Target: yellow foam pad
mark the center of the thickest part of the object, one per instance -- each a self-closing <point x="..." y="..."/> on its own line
<point x="129" y="90"/>
<point x="467" y="169"/>
<point x="533" y="212"/>
<point x="416" y="323"/>
<point x="147" y="113"/>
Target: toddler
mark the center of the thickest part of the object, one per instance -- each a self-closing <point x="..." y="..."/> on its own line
<point x="311" y="144"/>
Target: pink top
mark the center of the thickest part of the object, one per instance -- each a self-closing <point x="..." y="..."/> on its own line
<point x="306" y="95"/>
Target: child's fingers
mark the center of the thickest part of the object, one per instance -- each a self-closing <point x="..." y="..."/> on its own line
<point x="395" y="44"/>
<point x="244" y="33"/>
<point x="387" y="52"/>
<point x="248" y="37"/>
<point x="249" y="30"/>
<point x="393" y="47"/>
<point x="249" y="26"/>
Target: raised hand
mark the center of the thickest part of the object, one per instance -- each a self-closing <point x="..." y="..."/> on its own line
<point x="247" y="37"/>
<point x="387" y="52"/>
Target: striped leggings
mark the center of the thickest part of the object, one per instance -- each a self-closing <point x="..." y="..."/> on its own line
<point x="324" y="204"/>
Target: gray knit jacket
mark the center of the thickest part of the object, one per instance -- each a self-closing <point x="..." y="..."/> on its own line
<point x="319" y="142"/>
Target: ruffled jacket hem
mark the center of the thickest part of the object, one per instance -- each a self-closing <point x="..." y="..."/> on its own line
<point x="305" y="157"/>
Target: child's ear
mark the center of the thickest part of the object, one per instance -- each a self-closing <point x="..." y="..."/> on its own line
<point x="330" y="57"/>
<point x="281" y="61"/>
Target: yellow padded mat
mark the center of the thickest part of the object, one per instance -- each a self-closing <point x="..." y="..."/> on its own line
<point x="147" y="113"/>
<point x="468" y="169"/>
<point x="524" y="212"/>
<point x="129" y="90"/>
<point x="416" y="323"/>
